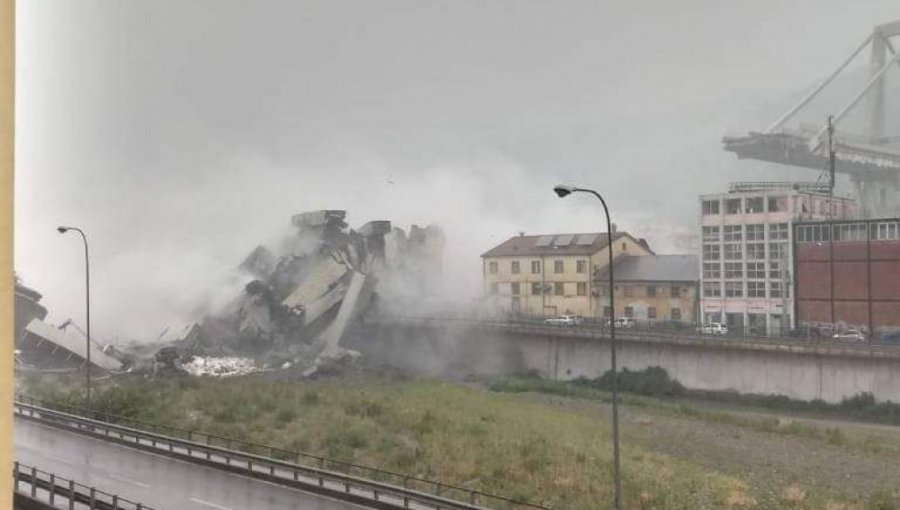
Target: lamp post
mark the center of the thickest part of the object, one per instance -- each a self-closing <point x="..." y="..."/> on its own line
<point x="563" y="191"/>
<point x="87" y="290"/>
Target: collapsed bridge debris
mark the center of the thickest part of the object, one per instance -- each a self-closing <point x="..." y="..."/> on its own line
<point x="308" y="290"/>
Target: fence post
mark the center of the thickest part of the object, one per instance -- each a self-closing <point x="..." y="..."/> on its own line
<point x="52" y="488"/>
<point x="33" y="482"/>
<point x="71" y="495"/>
<point x="93" y="498"/>
<point x="115" y="503"/>
<point x="16" y="475"/>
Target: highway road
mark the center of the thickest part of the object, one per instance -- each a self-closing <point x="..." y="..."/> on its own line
<point x="154" y="480"/>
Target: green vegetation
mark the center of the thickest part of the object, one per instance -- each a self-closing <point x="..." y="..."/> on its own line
<point x="501" y="443"/>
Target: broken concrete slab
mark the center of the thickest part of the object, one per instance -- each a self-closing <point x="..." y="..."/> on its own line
<point x="44" y="345"/>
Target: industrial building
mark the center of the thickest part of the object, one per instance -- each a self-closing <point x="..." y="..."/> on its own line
<point x="848" y="274"/>
<point x="746" y="251"/>
<point x="548" y="275"/>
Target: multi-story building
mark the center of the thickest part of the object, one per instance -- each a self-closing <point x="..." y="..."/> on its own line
<point x="547" y="275"/>
<point x="653" y="288"/>
<point x="746" y="252"/>
<point x="848" y="273"/>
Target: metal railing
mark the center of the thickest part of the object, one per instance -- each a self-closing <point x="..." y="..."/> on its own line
<point x="684" y="336"/>
<point x="55" y="490"/>
<point x="271" y="463"/>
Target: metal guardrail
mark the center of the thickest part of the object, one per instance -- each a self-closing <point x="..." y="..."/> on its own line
<point x="291" y="471"/>
<point x="55" y="490"/>
<point x="639" y="334"/>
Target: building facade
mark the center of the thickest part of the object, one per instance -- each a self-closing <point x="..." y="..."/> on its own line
<point x="746" y="254"/>
<point x="549" y="275"/>
<point x="653" y="288"/>
<point x="848" y="274"/>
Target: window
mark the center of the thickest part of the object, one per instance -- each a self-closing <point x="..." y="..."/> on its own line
<point x="850" y="232"/>
<point x="629" y="311"/>
<point x="535" y="267"/>
<point x="515" y="288"/>
<point x="536" y="288"/>
<point x="674" y="291"/>
<point x="676" y="314"/>
<point x="756" y="289"/>
<point x="733" y="252"/>
<point x="778" y="231"/>
<point x="733" y="206"/>
<point x="778" y="204"/>
<point x="712" y="289"/>
<point x="734" y="271"/>
<point x="756" y="251"/>
<point x="756" y="270"/>
<point x="651" y="291"/>
<point x="710" y="234"/>
<point x="712" y="270"/>
<point x="629" y="291"/>
<point x="651" y="312"/>
<point x="777" y="251"/>
<point x="734" y="289"/>
<point x="494" y="290"/>
<point x="514" y="267"/>
<point x="813" y="234"/>
<point x="581" y="266"/>
<point x="775" y="270"/>
<point x="558" y="289"/>
<point x="755" y="205"/>
<point x="710" y="207"/>
<point x="557" y="266"/>
<point x="887" y="231"/>
<point x="711" y="252"/>
<point x="732" y="232"/>
<point x="775" y="289"/>
<point x="581" y="288"/>
<point x="755" y="232"/>
<point x="493" y="266"/>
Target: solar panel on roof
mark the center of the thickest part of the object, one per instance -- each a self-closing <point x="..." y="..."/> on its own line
<point x="544" y="241"/>
<point x="564" y="240"/>
<point x="586" y="239"/>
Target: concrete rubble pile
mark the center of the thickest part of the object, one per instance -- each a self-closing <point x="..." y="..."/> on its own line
<point x="305" y="294"/>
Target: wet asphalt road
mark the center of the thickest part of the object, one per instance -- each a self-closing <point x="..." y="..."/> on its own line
<point x="154" y="480"/>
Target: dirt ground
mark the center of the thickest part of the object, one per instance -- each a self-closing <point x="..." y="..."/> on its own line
<point x="857" y="461"/>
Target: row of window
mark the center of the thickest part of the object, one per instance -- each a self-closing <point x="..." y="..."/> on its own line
<point x="754" y="232"/>
<point x="558" y="266"/>
<point x="878" y="231"/>
<point x="537" y="288"/>
<point x="737" y="289"/>
<point x="755" y="251"/>
<point x="737" y="270"/>
<point x="748" y="205"/>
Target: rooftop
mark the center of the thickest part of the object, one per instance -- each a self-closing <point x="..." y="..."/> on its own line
<point x="656" y="268"/>
<point x="557" y="244"/>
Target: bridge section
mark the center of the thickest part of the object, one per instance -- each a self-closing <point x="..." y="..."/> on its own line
<point x="804" y="371"/>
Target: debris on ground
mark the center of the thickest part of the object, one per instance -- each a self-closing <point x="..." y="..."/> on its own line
<point x="301" y="296"/>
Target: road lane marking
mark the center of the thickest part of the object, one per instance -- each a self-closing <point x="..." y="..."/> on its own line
<point x="202" y="502"/>
<point x="128" y="480"/>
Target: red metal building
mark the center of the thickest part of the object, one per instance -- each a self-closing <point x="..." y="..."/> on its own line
<point x="848" y="273"/>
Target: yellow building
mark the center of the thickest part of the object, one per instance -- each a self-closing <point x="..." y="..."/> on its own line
<point x="653" y="289"/>
<point x="551" y="275"/>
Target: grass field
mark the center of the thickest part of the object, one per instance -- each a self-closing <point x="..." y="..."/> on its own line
<point x="553" y="450"/>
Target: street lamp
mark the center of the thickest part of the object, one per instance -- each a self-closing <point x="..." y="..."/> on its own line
<point x="87" y="287"/>
<point x="564" y="191"/>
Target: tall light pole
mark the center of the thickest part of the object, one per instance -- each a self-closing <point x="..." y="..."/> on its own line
<point x="87" y="302"/>
<point x="564" y="191"/>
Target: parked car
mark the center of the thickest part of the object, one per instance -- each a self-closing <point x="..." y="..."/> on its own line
<point x="622" y="322"/>
<point x="563" y="320"/>
<point x="891" y="338"/>
<point x="850" y="335"/>
<point x="714" y="328"/>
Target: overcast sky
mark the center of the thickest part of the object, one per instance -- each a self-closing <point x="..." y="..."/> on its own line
<point x="181" y="134"/>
